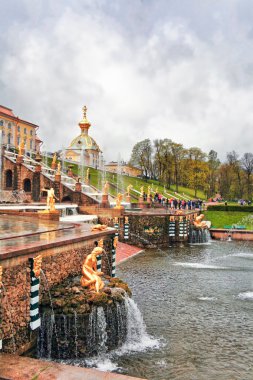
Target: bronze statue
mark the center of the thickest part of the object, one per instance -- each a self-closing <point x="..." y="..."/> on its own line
<point x="199" y="222"/>
<point x="99" y="227"/>
<point x="37" y="261"/>
<point x="106" y="187"/>
<point x="90" y="277"/>
<point x="129" y="187"/>
<point x="118" y="200"/>
<point x="59" y="168"/>
<point x="142" y="191"/>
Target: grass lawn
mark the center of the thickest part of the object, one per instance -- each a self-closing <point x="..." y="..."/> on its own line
<point x="220" y="219"/>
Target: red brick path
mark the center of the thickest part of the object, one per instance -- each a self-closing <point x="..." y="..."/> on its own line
<point x="125" y="251"/>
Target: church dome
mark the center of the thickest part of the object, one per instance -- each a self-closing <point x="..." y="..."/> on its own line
<point x="84" y="141"/>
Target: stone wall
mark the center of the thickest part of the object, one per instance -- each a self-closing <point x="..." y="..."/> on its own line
<point x="58" y="263"/>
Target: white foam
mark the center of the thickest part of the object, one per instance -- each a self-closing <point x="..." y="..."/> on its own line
<point x="246" y="296"/>
<point x="102" y="363"/>
<point x="207" y="298"/>
<point x="243" y="255"/>
<point x="199" y="266"/>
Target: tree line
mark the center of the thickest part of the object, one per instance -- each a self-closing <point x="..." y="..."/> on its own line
<point x="172" y="164"/>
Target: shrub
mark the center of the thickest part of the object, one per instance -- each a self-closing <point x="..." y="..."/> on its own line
<point x="230" y="208"/>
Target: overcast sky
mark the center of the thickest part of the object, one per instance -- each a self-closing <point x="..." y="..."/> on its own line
<point x="178" y="69"/>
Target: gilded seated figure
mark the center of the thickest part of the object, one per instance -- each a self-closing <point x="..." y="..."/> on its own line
<point x="90" y="276"/>
<point x="200" y="223"/>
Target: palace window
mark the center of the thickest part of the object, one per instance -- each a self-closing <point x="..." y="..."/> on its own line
<point x="18" y="129"/>
<point x="31" y="132"/>
<point x="9" y="138"/>
<point x="9" y="125"/>
<point x="25" y="131"/>
<point x="1" y="122"/>
<point x="31" y="144"/>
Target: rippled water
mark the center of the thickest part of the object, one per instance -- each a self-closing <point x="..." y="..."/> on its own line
<point x="198" y="301"/>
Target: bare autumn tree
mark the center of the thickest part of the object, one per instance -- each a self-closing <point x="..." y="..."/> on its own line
<point x="142" y="156"/>
<point x="247" y="166"/>
<point x="213" y="165"/>
<point x="235" y="164"/>
<point x="178" y="153"/>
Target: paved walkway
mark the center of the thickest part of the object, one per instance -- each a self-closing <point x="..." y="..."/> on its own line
<point x="126" y="251"/>
<point x="14" y="367"/>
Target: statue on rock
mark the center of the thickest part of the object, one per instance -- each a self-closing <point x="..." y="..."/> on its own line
<point x="90" y="277"/>
<point x="199" y="223"/>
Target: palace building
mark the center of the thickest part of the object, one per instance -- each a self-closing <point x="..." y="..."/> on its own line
<point x="16" y="130"/>
<point x="84" y="149"/>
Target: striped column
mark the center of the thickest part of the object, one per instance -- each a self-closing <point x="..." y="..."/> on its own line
<point x="114" y="247"/>
<point x="126" y="228"/>
<point x="35" y="264"/>
<point x="172" y="228"/>
<point x="116" y="226"/>
<point x="181" y="227"/>
<point x="99" y="258"/>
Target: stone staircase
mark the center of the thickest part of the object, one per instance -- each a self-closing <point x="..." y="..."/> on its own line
<point x="49" y="173"/>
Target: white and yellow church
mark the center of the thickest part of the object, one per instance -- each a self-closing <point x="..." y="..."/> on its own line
<point x="84" y="149"/>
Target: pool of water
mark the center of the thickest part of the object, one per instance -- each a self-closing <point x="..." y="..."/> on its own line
<point x="198" y="302"/>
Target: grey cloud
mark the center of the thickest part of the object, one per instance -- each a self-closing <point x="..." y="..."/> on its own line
<point x="150" y="69"/>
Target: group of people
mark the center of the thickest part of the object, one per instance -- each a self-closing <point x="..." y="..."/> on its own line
<point x="178" y="204"/>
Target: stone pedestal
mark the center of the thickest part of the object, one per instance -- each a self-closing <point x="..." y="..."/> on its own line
<point x="70" y="173"/>
<point x="87" y="181"/>
<point x="49" y="215"/>
<point x="78" y="187"/>
<point x="105" y="201"/>
<point x="20" y="159"/>
<point x="148" y="200"/>
<point x="54" y="165"/>
<point x="57" y="177"/>
<point x="38" y="168"/>
<point x="128" y="199"/>
<point x="141" y="202"/>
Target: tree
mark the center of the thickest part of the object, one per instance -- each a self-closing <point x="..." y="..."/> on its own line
<point x="213" y="165"/>
<point x="247" y="165"/>
<point x="178" y="153"/>
<point x="142" y="156"/>
<point x="197" y="169"/>
<point x="235" y="165"/>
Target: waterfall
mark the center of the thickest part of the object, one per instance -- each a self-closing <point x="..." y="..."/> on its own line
<point x="199" y="236"/>
<point x="104" y="328"/>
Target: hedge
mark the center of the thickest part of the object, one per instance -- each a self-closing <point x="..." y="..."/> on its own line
<point x="230" y="208"/>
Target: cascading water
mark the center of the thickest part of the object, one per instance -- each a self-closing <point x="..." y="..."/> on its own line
<point x="103" y="329"/>
<point x="199" y="236"/>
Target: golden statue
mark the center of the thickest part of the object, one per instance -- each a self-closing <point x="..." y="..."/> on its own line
<point x="106" y="188"/>
<point x="149" y="191"/>
<point x="87" y="174"/>
<point x="54" y="159"/>
<point x="126" y="220"/>
<point x="200" y="223"/>
<point x="99" y="227"/>
<point x="50" y="199"/>
<point x="59" y="168"/>
<point x="142" y="191"/>
<point x="129" y="187"/>
<point x="156" y="190"/>
<point x="21" y="148"/>
<point x="118" y="200"/>
<point x="90" y="276"/>
<point x="37" y="261"/>
<point x="115" y="242"/>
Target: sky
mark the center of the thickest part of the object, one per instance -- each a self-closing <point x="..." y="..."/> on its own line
<point x="173" y="69"/>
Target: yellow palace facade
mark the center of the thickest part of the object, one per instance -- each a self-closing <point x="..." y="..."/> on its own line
<point x="16" y="130"/>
